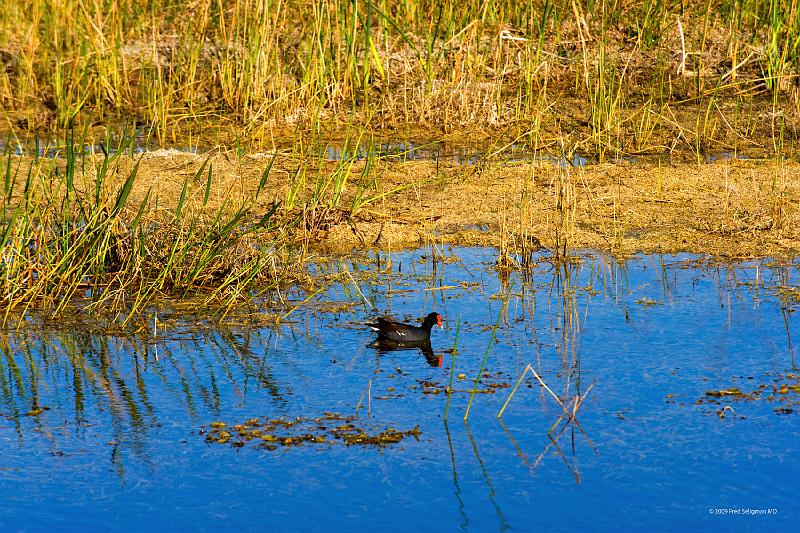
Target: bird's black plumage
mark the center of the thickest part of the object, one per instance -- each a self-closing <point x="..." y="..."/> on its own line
<point x="390" y="330"/>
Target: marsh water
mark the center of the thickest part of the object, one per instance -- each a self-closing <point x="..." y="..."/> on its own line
<point x="684" y="368"/>
<point x="464" y="152"/>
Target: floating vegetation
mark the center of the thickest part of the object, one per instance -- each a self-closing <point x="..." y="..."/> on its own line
<point x="788" y="294"/>
<point x="736" y="393"/>
<point x="330" y="428"/>
<point x="787" y="395"/>
<point x="491" y="383"/>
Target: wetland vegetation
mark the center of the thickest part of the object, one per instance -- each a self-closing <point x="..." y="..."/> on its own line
<point x="605" y="78"/>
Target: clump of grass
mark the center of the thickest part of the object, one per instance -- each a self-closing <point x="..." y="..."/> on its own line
<point x="74" y="232"/>
<point x="563" y="224"/>
<point x="88" y="227"/>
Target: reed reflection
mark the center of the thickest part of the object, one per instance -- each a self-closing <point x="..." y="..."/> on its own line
<point x="116" y="386"/>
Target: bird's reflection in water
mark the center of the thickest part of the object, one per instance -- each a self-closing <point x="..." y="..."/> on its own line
<point x="424" y="347"/>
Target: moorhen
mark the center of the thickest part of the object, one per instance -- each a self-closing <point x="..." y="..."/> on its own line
<point x="389" y="330"/>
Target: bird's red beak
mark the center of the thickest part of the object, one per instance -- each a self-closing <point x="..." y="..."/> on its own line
<point x="439" y="321"/>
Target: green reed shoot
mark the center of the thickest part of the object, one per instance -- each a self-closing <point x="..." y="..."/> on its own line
<point x="479" y="376"/>
<point x="452" y="370"/>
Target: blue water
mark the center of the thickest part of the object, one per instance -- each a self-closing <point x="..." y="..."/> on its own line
<point x="120" y="446"/>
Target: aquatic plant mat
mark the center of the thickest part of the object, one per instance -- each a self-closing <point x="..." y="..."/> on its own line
<point x="329" y="428"/>
<point x="783" y="392"/>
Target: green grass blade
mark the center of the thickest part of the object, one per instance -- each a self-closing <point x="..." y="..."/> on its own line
<point x="265" y="175"/>
<point x="477" y="379"/>
<point x="182" y="199"/>
<point x="268" y="215"/>
<point x="208" y="185"/>
<point x="452" y="370"/>
<point x="139" y="213"/>
<point x="122" y="196"/>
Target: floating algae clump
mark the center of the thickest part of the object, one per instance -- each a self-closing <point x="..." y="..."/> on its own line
<point x="329" y="428"/>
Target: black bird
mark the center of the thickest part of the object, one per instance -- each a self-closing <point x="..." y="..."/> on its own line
<point x="397" y="332"/>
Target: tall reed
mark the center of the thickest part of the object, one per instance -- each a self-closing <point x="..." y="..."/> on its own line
<point x="444" y="64"/>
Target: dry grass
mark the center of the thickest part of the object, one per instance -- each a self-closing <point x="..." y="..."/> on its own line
<point x="733" y="209"/>
<point x="730" y="208"/>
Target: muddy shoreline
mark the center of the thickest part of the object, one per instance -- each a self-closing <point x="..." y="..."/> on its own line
<point x="734" y="209"/>
<point x="167" y="224"/>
